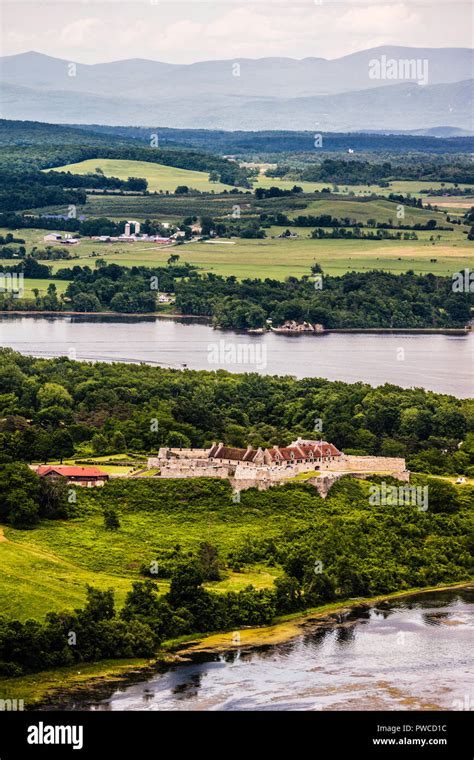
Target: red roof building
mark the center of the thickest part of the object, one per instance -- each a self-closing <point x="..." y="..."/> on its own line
<point x="84" y="476"/>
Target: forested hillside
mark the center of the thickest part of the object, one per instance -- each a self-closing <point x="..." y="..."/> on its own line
<point x="58" y="407"/>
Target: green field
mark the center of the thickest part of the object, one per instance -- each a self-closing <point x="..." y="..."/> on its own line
<point x="280" y="258"/>
<point x="49" y="567"/>
<point x="378" y="209"/>
<point x="31" y="283"/>
<point x="272" y="257"/>
<point x="414" y="187"/>
<point x="167" y="178"/>
<point x="159" y="176"/>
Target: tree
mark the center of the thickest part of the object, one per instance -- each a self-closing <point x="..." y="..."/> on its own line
<point x="208" y="558"/>
<point x="118" y="442"/>
<point x="86" y="302"/>
<point x="53" y="498"/>
<point x="62" y="444"/>
<point x="100" y="444"/>
<point x="186" y="585"/>
<point x="178" y="440"/>
<point x="19" y="495"/>
<point x="442" y="496"/>
<point x="111" y="519"/>
<point x="214" y="176"/>
<point x="53" y="394"/>
<point x="100" y="605"/>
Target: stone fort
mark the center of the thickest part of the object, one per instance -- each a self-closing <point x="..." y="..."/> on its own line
<point x="262" y="468"/>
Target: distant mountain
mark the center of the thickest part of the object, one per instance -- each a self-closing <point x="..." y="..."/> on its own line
<point x="401" y="107"/>
<point x="282" y="77"/>
<point x="267" y="93"/>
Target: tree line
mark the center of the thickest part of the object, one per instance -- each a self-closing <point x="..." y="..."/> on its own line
<point x="57" y="408"/>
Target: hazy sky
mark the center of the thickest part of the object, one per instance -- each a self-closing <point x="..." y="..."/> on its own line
<point x="182" y="31"/>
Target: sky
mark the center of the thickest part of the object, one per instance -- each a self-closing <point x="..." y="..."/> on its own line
<point x="184" y="31"/>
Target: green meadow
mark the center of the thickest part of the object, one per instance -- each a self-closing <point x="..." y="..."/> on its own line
<point x="280" y="258"/>
<point x="167" y="178"/>
<point x="414" y="187"/>
<point x="49" y="567"/>
<point x="31" y="284"/>
<point x="159" y="176"/>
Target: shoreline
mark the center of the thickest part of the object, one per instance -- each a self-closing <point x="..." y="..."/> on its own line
<point x="97" y="679"/>
<point x="249" y="331"/>
<point x="292" y="626"/>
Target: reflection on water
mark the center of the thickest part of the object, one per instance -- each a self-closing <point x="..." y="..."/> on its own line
<point x="412" y="655"/>
<point x="428" y="360"/>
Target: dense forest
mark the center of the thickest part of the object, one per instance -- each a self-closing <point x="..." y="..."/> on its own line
<point x="281" y="141"/>
<point x="355" y="172"/>
<point x="58" y="407"/>
<point x="368" y="299"/>
<point x="332" y="550"/>
<point x="46" y="156"/>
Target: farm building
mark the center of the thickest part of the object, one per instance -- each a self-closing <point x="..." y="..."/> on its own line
<point x="81" y="476"/>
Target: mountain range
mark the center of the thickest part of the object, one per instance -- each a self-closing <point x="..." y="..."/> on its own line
<point x="250" y="94"/>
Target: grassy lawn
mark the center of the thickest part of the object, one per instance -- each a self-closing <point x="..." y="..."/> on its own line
<point x="159" y="176"/>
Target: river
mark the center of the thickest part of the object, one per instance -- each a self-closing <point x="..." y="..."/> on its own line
<point x="415" y="654"/>
<point x="438" y="362"/>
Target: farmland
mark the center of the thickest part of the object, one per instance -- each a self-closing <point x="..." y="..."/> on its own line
<point x="167" y="178"/>
<point x="280" y="258"/>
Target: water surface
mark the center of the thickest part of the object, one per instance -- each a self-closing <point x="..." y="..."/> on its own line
<point x="443" y="363"/>
<point x="415" y="655"/>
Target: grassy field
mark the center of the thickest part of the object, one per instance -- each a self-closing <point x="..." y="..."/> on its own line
<point x="378" y="209"/>
<point x="31" y="283"/>
<point x="49" y="567"/>
<point x="414" y="187"/>
<point x="159" y="176"/>
<point x="280" y="258"/>
<point x="167" y="178"/>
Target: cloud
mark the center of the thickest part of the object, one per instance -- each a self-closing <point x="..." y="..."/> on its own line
<point x="80" y="33"/>
<point x="183" y="31"/>
<point x="380" y="19"/>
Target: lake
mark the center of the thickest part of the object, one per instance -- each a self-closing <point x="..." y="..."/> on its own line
<point x="438" y="362"/>
<point x="415" y="654"/>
